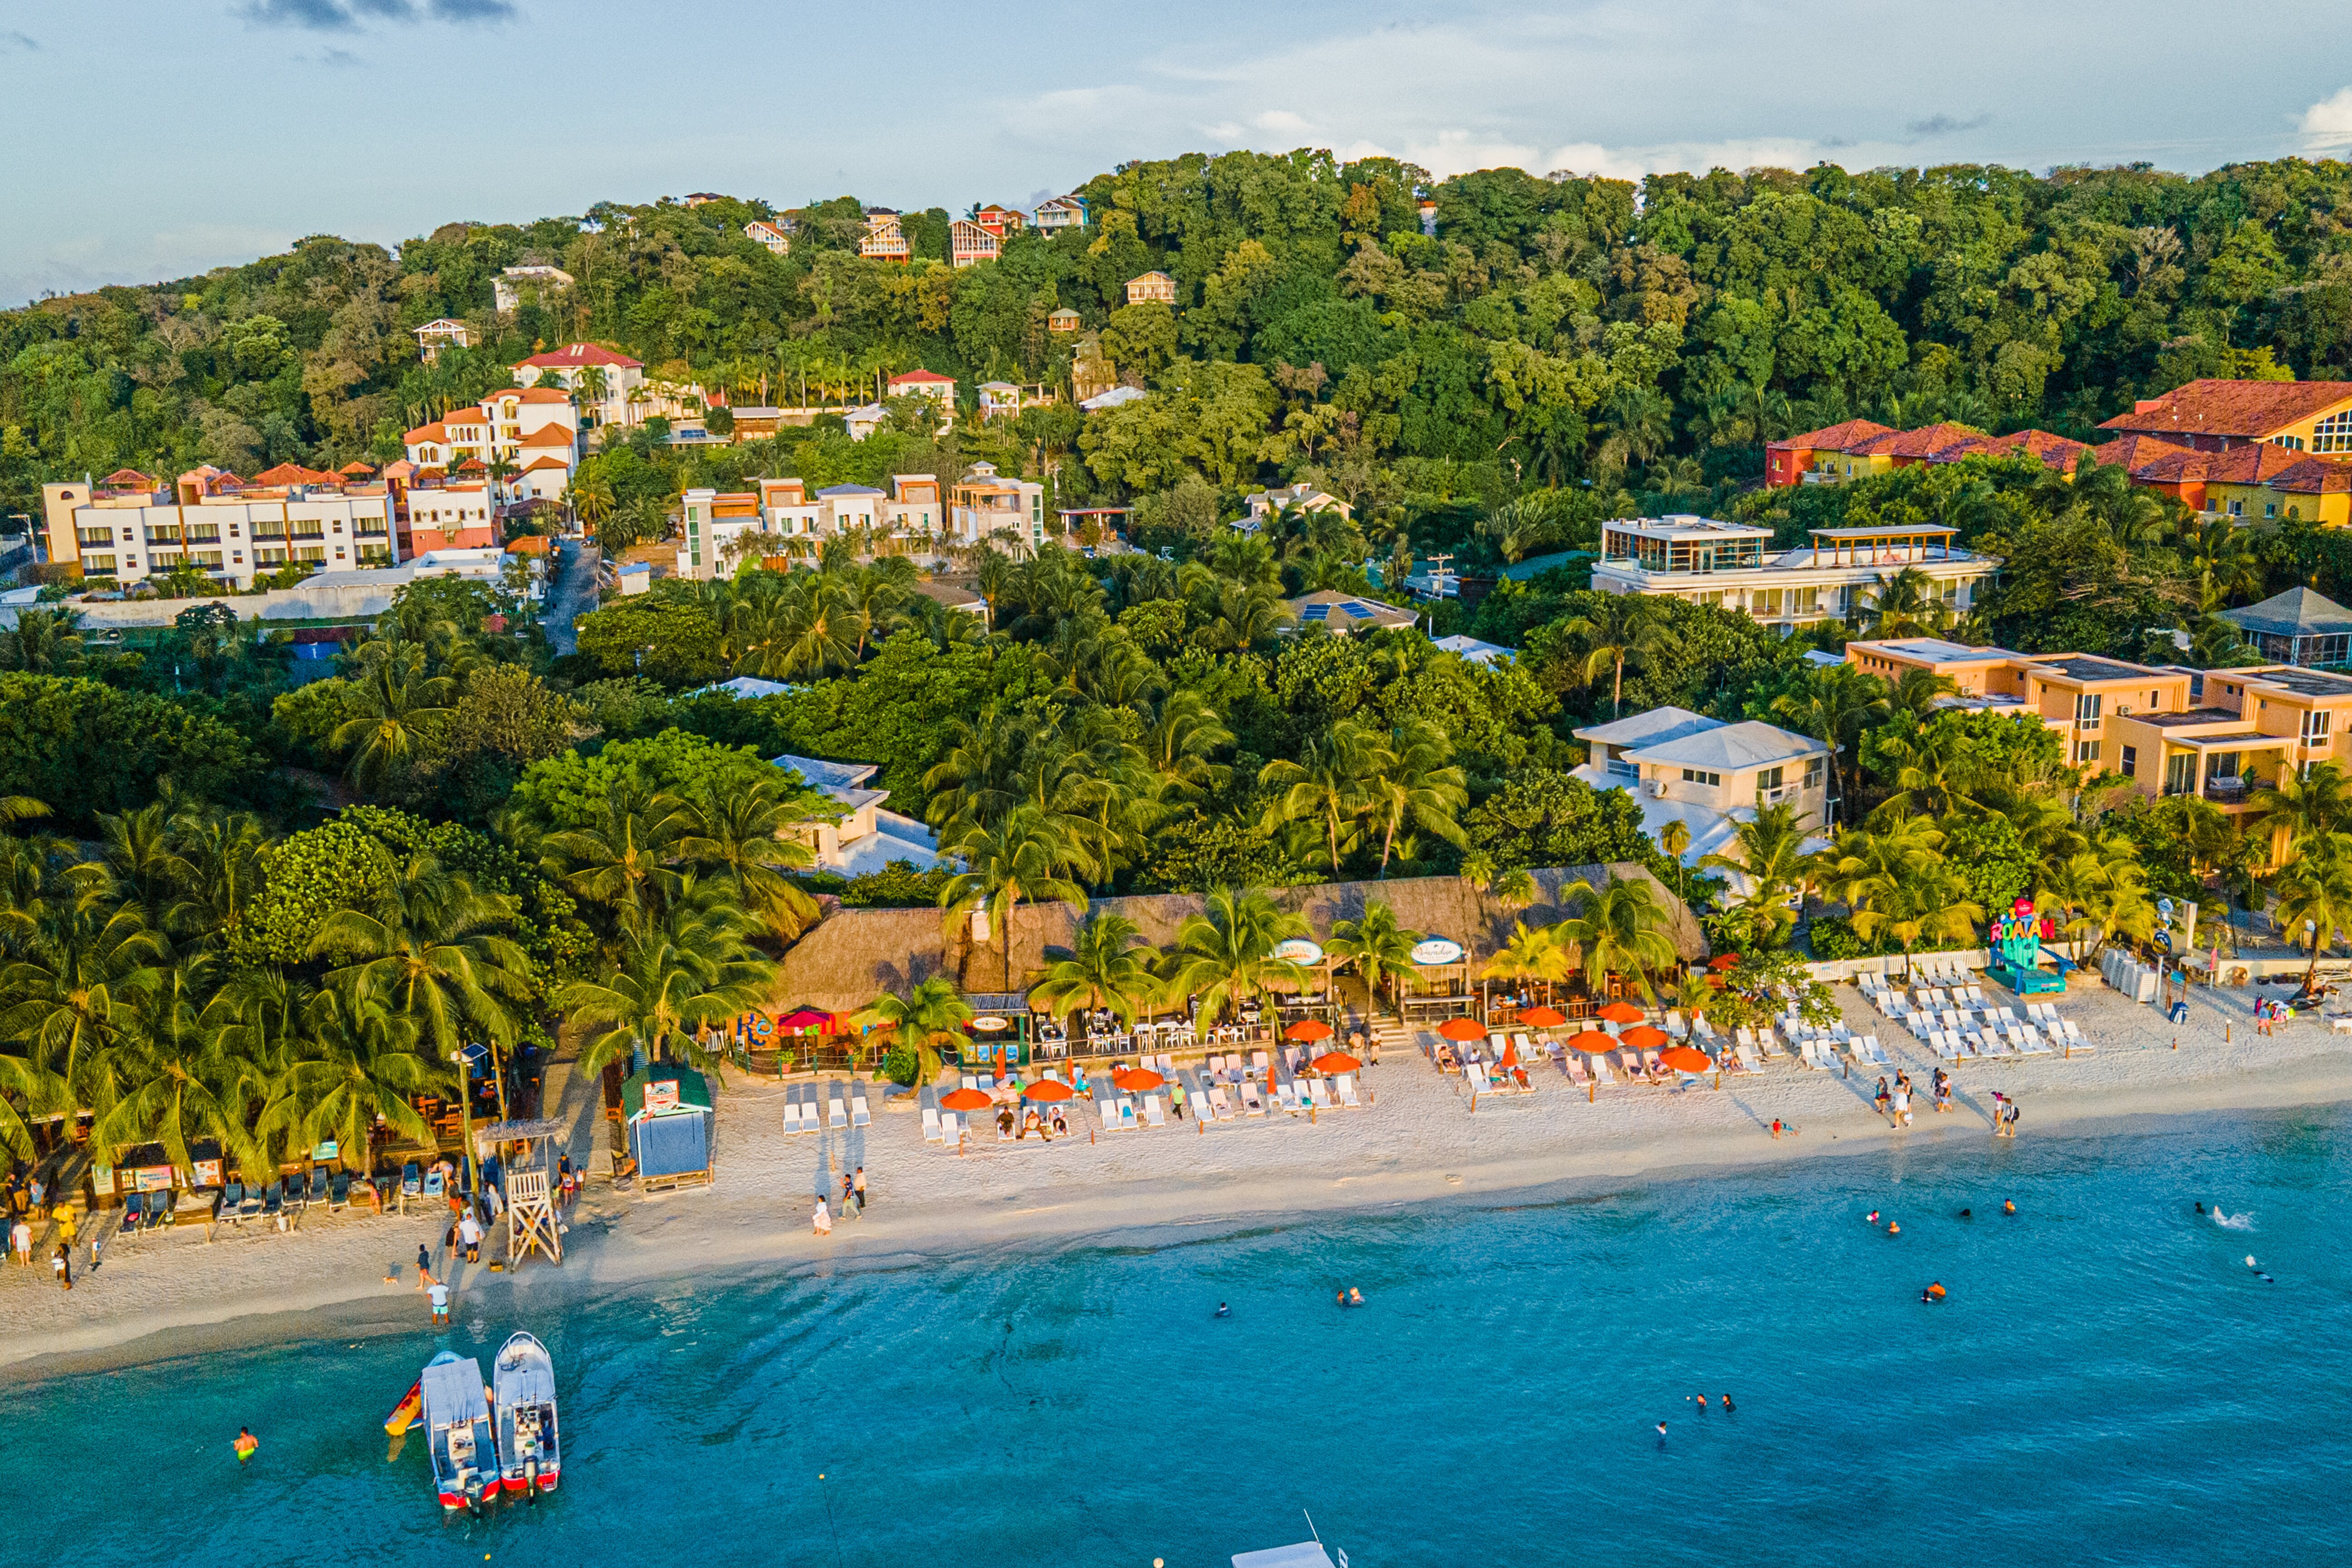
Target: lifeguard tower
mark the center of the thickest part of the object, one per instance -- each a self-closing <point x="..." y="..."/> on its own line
<point x="527" y="1155"/>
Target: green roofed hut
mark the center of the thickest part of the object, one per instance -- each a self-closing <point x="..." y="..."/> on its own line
<point x="668" y="1110"/>
<point x="2298" y="626"/>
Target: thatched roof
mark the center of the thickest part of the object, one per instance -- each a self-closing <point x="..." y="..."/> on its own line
<point x="853" y="954"/>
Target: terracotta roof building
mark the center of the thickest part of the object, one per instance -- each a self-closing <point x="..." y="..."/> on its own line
<point x="2214" y="416"/>
<point x="1787" y="462"/>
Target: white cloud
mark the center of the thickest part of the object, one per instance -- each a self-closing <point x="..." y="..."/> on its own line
<point x="1281" y="119"/>
<point x="2328" y="124"/>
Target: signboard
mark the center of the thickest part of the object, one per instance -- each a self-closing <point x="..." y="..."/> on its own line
<point x="1437" y="949"/>
<point x="661" y="1096"/>
<point x="989" y="1023"/>
<point x="325" y="1151"/>
<point x="1299" y="950"/>
<point x="208" y="1172"/>
<point x="152" y="1179"/>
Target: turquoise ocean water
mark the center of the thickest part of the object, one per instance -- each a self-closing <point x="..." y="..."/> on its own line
<point x="2108" y="1383"/>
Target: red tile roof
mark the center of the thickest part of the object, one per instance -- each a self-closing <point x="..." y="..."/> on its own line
<point x="536" y="464"/>
<point x="528" y="394"/>
<point x="2135" y="452"/>
<point x="1923" y="442"/>
<point x="355" y="471"/>
<point x="2055" y="451"/>
<point x="548" y="436"/>
<point x="292" y="473"/>
<point x="2316" y="476"/>
<point x="922" y="378"/>
<point x="1831" y="437"/>
<point x="127" y="479"/>
<point x="2174" y="467"/>
<point x="572" y="356"/>
<point x="437" y="431"/>
<point x="2248" y="409"/>
<point x="2250" y="465"/>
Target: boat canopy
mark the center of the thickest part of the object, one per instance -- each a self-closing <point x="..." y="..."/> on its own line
<point x="1305" y="1555"/>
<point x="526" y="1375"/>
<point x="452" y="1385"/>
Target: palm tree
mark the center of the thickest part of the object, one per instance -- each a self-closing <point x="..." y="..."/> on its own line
<point x="1674" y="843"/>
<point x="2304" y="807"/>
<point x="929" y="1015"/>
<point x="1837" y="703"/>
<point x="623" y="862"/>
<point x="358" y="1067"/>
<point x="1767" y="852"/>
<point x="396" y="700"/>
<point x="1617" y="930"/>
<point x="1410" y="781"/>
<point x="1021" y="858"/>
<point x="433" y="950"/>
<point x="1225" y="954"/>
<point x="1906" y="604"/>
<point x="1627" y="628"/>
<point x="83" y="961"/>
<point x="739" y="833"/>
<point x="1537" y="954"/>
<point x="676" y="976"/>
<point x="187" y="1079"/>
<point x="1104" y="969"/>
<point x="1375" y="944"/>
<point x="1893" y="878"/>
<point x="43" y="642"/>
<point x="1325" y="792"/>
<point x="2316" y="892"/>
<point x="1917" y="691"/>
<point x="2102" y="890"/>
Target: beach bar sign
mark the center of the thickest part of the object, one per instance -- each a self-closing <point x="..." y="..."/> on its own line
<point x="661" y="1096"/>
<point x="1437" y="949"/>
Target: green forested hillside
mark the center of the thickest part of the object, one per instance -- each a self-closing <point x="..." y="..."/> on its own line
<point x="1554" y="331"/>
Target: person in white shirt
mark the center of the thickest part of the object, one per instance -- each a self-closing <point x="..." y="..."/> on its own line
<point x="469" y="1231"/>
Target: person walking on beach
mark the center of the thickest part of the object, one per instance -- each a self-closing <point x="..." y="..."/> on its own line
<point x="820" y="1221"/>
<point x="858" y="1182"/>
<point x="424" y="1267"/>
<point x="439" y="1296"/>
<point x="20" y="1238"/>
<point x="1176" y="1095"/>
<point x="1884" y="1096"/>
<point x="849" y="1190"/>
<point x="61" y="1264"/>
<point x="469" y="1231"/>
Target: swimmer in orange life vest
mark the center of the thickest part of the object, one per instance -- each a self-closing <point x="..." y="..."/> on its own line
<point x="1355" y="1297"/>
<point x="1934" y="1292"/>
<point x="1893" y="1229"/>
<point x="2009" y="1205"/>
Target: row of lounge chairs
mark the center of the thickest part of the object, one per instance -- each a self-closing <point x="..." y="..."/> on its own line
<point x="815" y="1107"/>
<point x="240" y="1202"/>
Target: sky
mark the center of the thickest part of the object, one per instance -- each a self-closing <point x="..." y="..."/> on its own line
<point x="148" y="139"/>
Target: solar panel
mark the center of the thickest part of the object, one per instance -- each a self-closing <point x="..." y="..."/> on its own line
<point x="1361" y="611"/>
<point x="1315" y="613"/>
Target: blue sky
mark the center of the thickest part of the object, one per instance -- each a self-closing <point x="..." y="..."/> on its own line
<point x="152" y="139"/>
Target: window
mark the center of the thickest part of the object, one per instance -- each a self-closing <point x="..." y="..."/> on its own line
<point x="2333" y="433"/>
<point x="2226" y="765"/>
<point x="2270" y="509"/>
<point x="2131" y="762"/>
<point x="1770" y="779"/>
<point x="2086" y="751"/>
<point x="2180" y="773"/>
<point x="1693" y="775"/>
<point x="2314" y="727"/>
<point x="1813" y="774"/>
<point x="2086" y="710"/>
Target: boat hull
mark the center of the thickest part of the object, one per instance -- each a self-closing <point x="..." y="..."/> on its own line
<point x="518" y="1485"/>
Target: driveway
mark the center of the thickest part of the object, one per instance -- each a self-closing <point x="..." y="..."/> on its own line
<point x="571" y="593"/>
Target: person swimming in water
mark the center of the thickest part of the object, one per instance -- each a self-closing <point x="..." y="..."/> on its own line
<point x="1223" y="1311"/>
<point x="2200" y="1209"/>
<point x="1726" y="1405"/>
<point x="2009" y="1205"/>
<point x="1874" y="1217"/>
<point x="1662" y="1434"/>
<point x="1702" y="1400"/>
<point x="1968" y="1214"/>
<point x="1893" y="1228"/>
<point x="245" y="1445"/>
<point x="1933" y="1293"/>
<point x="1355" y="1297"/>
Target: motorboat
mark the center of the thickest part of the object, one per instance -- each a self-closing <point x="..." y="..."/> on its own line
<point x="523" y="1398"/>
<point x="458" y="1431"/>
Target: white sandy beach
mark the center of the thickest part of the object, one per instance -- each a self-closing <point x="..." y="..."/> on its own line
<point x="1417" y="1142"/>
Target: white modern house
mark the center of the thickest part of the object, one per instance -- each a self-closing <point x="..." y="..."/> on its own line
<point x="542" y="282"/>
<point x="603" y="379"/>
<point x="1708" y="774"/>
<point x="867" y="837"/>
<point x="1710" y="562"/>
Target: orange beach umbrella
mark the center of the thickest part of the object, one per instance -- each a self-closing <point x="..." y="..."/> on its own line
<point x="1307" y="1029"/>
<point x="1621" y="1012"/>
<point x="1134" y="1080"/>
<point x="1593" y="1042"/>
<point x="1685" y="1058"/>
<point x="1335" y="1061"/>
<point x="1048" y="1089"/>
<point x="1723" y="961"/>
<point x="1543" y="1018"/>
<point x="1462" y="1029"/>
<point x="966" y="1100"/>
<point x="1648" y="1036"/>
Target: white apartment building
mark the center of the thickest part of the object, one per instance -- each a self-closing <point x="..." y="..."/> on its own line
<point x="791" y="523"/>
<point x="446" y="334"/>
<point x="775" y="236"/>
<point x="1733" y="564"/>
<point x="1057" y="213"/>
<point x="984" y="505"/>
<point x="580" y="367"/>
<point x="518" y="425"/>
<point x="914" y="508"/>
<point x="1709" y="775"/>
<point x="214" y="523"/>
<point x="710" y="522"/>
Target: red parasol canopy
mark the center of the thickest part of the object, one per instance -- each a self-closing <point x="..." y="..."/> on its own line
<point x="1462" y="1029"/>
<point x="1307" y="1029"/>
<point x="1648" y="1036"/>
<point x="1723" y="961"/>
<point x="1335" y="1061"/>
<point x="805" y="1018"/>
<point x="1685" y="1058"/>
<point x="1049" y="1088"/>
<point x="966" y="1100"/>
<point x="1543" y="1018"/>
<point x="1593" y="1042"/>
<point x="1136" y="1080"/>
<point x="1621" y="1012"/>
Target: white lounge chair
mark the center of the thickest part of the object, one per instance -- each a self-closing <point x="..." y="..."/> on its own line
<point x="950" y="1127"/>
<point x="837" y="1113"/>
<point x="930" y="1123"/>
<point x="1253" y="1100"/>
<point x="1745" y="1056"/>
<point x="1285" y="1094"/>
<point x="1947" y="1045"/>
<point x="1578" y="1073"/>
<point x="1108" y="1111"/>
<point x="1219" y="1106"/>
<point x="1344" y="1086"/>
<point x="860" y="1114"/>
<point x="1600" y="1073"/>
<point x="1126" y="1104"/>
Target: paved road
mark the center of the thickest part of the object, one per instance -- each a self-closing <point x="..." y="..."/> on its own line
<point x="573" y="592"/>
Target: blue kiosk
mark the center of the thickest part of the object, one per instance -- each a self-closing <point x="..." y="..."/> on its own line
<point x="2016" y="942"/>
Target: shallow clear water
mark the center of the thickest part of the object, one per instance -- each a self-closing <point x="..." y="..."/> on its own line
<point x="2107" y="1384"/>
